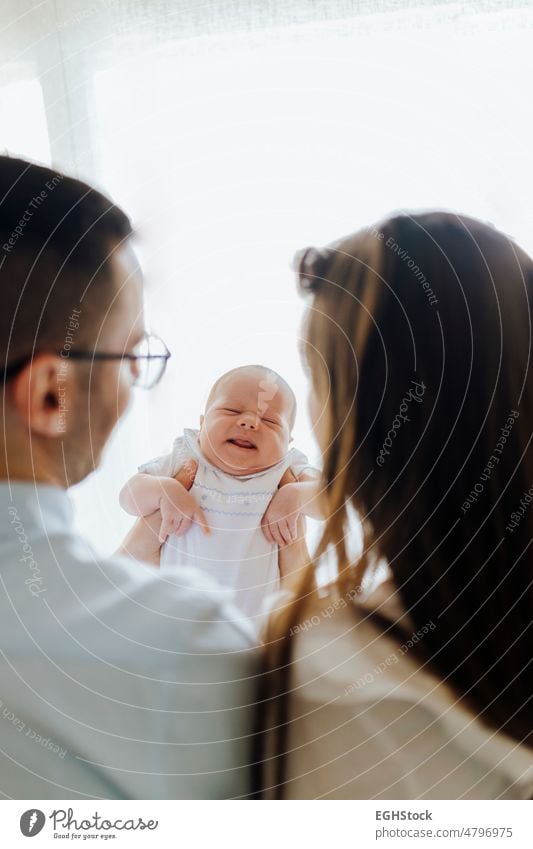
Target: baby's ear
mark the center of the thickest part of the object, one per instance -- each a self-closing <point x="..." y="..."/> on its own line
<point x="201" y="421"/>
<point x="291" y="439"/>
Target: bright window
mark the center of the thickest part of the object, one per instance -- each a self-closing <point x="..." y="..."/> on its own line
<point x="234" y="149"/>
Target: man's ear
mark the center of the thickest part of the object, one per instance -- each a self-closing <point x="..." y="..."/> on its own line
<point x="291" y="439"/>
<point x="39" y="394"/>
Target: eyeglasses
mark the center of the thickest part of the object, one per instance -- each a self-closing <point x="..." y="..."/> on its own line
<point x="150" y="357"/>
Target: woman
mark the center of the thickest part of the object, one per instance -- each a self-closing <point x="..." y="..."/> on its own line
<point x="417" y="340"/>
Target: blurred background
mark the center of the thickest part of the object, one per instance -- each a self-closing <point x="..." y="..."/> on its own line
<point x="236" y="132"/>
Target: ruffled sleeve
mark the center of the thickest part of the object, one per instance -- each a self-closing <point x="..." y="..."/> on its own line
<point x="299" y="463"/>
<point x="167" y="465"/>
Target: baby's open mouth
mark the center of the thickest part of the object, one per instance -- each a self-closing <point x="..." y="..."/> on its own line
<point x="242" y="443"/>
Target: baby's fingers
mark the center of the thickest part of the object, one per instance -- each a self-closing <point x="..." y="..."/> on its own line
<point x="167" y="527"/>
<point x="267" y="531"/>
<point x="182" y="527"/>
<point x="293" y="529"/>
<point x="275" y="528"/>
<point x="200" y="519"/>
<point x="285" y="531"/>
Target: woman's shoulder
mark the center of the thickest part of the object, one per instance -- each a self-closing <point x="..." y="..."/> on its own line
<point x="363" y="648"/>
<point x="345" y="657"/>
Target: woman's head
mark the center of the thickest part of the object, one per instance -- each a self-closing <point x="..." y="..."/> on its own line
<point x="418" y="339"/>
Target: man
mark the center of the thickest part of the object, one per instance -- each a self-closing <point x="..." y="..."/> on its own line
<point x="114" y="682"/>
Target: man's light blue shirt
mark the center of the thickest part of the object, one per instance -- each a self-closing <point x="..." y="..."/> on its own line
<point x="115" y="681"/>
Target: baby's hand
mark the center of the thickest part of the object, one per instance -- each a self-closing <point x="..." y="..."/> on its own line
<point x="279" y="523"/>
<point x="179" y="509"/>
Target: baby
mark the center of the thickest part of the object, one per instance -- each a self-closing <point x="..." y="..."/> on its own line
<point x="228" y="495"/>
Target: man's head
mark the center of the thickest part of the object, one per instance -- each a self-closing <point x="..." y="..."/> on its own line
<point x="248" y="419"/>
<point x="70" y="283"/>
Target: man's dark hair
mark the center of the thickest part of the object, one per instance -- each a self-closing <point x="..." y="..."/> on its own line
<point x="57" y="235"/>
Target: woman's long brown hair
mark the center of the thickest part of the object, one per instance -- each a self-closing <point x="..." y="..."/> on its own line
<point x="418" y="342"/>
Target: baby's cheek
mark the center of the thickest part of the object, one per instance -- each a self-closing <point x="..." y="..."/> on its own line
<point x="206" y="437"/>
<point x="276" y="449"/>
<point x="283" y="444"/>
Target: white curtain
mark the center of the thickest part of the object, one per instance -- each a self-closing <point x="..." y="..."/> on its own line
<point x="237" y="132"/>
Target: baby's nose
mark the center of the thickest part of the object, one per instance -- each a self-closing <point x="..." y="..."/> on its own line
<point x="250" y="420"/>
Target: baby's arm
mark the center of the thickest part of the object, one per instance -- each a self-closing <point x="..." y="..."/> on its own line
<point x="296" y="496"/>
<point x="141" y="495"/>
<point x="294" y="557"/>
<point x="309" y="486"/>
<point x="145" y="494"/>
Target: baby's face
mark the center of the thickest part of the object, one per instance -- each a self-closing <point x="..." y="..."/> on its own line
<point x="246" y="427"/>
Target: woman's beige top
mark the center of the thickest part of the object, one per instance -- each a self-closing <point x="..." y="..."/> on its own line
<point x="367" y="722"/>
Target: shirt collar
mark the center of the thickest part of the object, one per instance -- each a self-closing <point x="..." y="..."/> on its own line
<point x="40" y="508"/>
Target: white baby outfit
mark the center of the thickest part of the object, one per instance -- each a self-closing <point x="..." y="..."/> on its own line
<point x="236" y="553"/>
